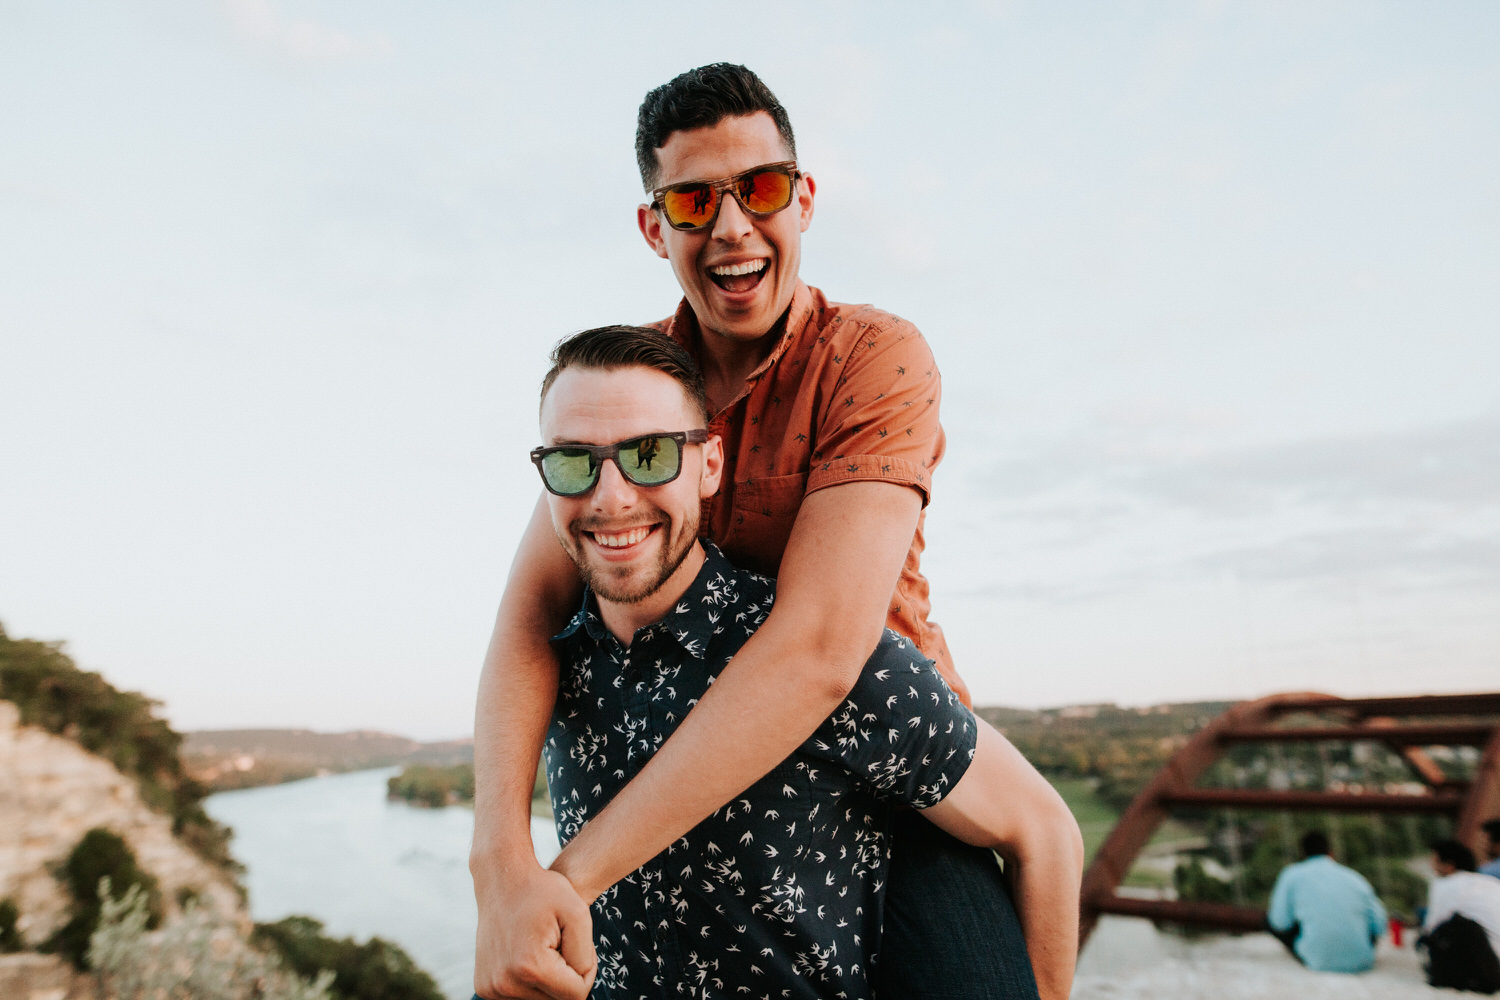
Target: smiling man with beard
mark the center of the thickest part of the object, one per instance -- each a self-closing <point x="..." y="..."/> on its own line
<point x="828" y="420"/>
<point x="780" y="893"/>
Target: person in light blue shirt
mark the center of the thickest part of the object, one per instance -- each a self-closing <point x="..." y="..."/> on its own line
<point x="1326" y="914"/>
<point x="1491" y="828"/>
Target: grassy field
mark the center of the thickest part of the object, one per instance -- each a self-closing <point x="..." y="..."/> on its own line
<point x="1095" y="820"/>
<point x="1094" y="817"/>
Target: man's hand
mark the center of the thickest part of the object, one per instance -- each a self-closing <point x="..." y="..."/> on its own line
<point x="535" y="941"/>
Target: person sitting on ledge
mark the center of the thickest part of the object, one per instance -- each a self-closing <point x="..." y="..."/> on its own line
<point x="1326" y="914"/>
<point x="1461" y="930"/>
<point x="1491" y="828"/>
<point x="779" y="893"/>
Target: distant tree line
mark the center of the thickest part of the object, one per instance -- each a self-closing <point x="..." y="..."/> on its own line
<point x="1117" y="749"/>
<point x="435" y="787"/>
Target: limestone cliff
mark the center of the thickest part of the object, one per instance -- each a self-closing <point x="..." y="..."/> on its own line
<point x="52" y="792"/>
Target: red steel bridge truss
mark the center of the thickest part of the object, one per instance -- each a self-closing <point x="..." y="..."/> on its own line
<point x="1409" y="726"/>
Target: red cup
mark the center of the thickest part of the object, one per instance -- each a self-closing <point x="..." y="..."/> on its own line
<point x="1396" y="928"/>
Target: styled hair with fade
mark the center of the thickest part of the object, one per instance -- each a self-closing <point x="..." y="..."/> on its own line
<point x="701" y="98"/>
<point x="611" y="347"/>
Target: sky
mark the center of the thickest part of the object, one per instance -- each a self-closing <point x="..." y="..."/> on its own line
<point x="1214" y="289"/>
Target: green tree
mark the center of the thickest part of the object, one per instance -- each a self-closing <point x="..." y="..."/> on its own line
<point x="375" y="970"/>
<point x="426" y="785"/>
<point x="100" y="854"/>
<point x="10" y="937"/>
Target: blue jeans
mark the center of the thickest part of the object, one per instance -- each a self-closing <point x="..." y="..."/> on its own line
<point x="950" y="930"/>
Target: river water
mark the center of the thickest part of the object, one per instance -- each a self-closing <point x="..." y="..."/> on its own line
<point x="334" y="848"/>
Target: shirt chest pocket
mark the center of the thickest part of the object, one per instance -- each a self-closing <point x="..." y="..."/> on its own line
<point x="761" y="520"/>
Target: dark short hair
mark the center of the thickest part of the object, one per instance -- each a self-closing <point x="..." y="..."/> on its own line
<point x="1456" y="854"/>
<point x="1314" y="842"/>
<point x="701" y="98"/>
<point x="630" y="347"/>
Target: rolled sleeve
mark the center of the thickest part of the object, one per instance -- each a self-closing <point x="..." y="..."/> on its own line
<point x="880" y="419"/>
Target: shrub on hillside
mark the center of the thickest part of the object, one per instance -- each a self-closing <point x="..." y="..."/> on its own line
<point x="101" y="854"/>
<point x="10" y="937"/>
<point x="121" y="726"/>
<point x="195" y="957"/>
<point x="376" y="970"/>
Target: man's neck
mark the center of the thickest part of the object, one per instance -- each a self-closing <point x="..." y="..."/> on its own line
<point x="727" y="361"/>
<point x="624" y="620"/>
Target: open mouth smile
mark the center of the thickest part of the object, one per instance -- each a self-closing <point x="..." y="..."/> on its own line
<point x="742" y="276"/>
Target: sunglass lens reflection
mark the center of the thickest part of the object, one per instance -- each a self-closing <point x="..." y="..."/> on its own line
<point x="766" y="191"/>
<point x="650" y="460"/>
<point x="569" y="471"/>
<point x="690" y="205"/>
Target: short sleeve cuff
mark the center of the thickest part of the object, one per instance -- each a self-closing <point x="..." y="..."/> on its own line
<point x="874" y="468"/>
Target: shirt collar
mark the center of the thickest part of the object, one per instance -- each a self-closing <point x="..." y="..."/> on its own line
<point x="688" y="623"/>
<point x="685" y="329"/>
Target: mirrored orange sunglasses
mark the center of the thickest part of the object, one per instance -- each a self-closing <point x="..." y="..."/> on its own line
<point x="761" y="191"/>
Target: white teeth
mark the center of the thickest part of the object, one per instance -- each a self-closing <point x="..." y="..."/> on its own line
<point x="621" y="540"/>
<point x="748" y="267"/>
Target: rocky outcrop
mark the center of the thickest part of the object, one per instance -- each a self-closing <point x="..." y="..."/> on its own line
<point x="29" y="976"/>
<point x="52" y="792"/>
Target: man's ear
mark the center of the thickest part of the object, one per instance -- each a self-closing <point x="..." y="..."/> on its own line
<point x="805" y="194"/>
<point x="713" y="467"/>
<point x="650" y="226"/>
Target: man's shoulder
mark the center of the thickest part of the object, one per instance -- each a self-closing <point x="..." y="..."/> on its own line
<point x="893" y="646"/>
<point x="1298" y="871"/>
<point x="1474" y="884"/>
<point x="896" y="659"/>
<point x="856" y="320"/>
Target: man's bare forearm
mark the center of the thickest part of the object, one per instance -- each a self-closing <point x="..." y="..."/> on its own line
<point x="1046" y="889"/>
<point x="517" y="690"/>
<point x="836" y="581"/>
<point x="516" y="694"/>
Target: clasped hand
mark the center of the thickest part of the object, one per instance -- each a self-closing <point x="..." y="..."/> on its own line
<point x="535" y="940"/>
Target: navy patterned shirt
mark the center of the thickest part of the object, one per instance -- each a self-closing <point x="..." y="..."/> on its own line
<point x="779" y="893"/>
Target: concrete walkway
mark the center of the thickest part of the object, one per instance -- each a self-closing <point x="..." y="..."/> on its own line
<point x="1129" y="959"/>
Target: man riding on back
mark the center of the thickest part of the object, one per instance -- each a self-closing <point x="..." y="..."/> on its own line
<point x="828" y="415"/>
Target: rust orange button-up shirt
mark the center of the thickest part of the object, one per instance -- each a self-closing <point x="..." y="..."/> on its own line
<point x="849" y="393"/>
